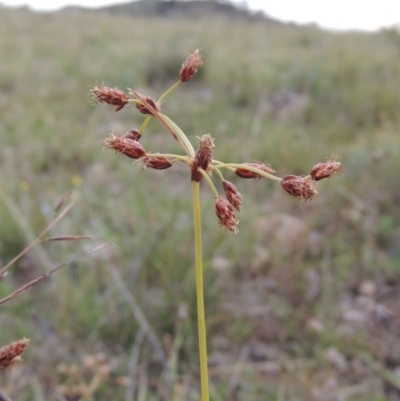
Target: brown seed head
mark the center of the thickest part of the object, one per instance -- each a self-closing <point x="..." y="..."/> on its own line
<point x="298" y="186"/>
<point x="203" y="158"/>
<point x="133" y="134"/>
<point x="156" y="162"/>
<point x="143" y="108"/>
<point x="244" y="173"/>
<point x="126" y="146"/>
<point x="191" y="65"/>
<point x="114" y="96"/>
<point x="147" y="105"/>
<point x="325" y="170"/>
<point x="9" y="354"/>
<point x="226" y="215"/>
<point x="233" y="195"/>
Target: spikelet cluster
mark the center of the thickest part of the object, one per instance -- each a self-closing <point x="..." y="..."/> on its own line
<point x="11" y="353"/>
<point x="201" y="162"/>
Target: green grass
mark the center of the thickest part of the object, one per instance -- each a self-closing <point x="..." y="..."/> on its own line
<point x="263" y="286"/>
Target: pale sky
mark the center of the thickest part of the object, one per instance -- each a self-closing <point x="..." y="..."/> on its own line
<point x="331" y="14"/>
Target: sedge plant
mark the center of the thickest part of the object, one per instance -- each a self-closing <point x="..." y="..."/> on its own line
<point x="201" y="166"/>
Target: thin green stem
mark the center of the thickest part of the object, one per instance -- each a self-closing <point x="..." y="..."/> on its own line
<point x="181" y="135"/>
<point x="201" y="319"/>
<point x="146" y="121"/>
<point x="246" y="167"/>
<point x="145" y="124"/>
<point x="182" y="158"/>
<point x="175" y="131"/>
<point x="209" y="182"/>
<point x="168" y="91"/>
<point x="162" y="97"/>
<point x="219" y="174"/>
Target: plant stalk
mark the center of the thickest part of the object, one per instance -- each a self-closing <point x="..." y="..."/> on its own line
<point x="201" y="319"/>
<point x="246" y="167"/>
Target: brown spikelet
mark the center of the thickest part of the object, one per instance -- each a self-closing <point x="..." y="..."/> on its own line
<point x="233" y="195"/>
<point x="9" y="354"/>
<point x="298" y="186"/>
<point x="191" y="65"/>
<point x="156" y="162"/>
<point x="124" y="145"/>
<point x="244" y="173"/>
<point x="203" y="158"/>
<point x="133" y="134"/>
<point x="226" y="215"/>
<point x="325" y="170"/>
<point x="147" y="104"/>
<point x="114" y="96"/>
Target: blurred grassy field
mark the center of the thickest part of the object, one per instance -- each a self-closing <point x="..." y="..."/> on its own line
<point x="302" y="304"/>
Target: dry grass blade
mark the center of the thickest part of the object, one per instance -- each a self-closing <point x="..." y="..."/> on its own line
<point x="19" y="218"/>
<point x="67" y="238"/>
<point x="39" y="238"/>
<point x="45" y="275"/>
<point x="270" y="366"/>
<point x="134" y="364"/>
<point x="386" y="374"/>
<point x="236" y="371"/>
<point x="138" y="314"/>
<point x="63" y="199"/>
<point x="3" y="397"/>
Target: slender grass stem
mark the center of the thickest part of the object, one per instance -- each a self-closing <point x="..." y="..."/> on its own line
<point x="39" y="237"/>
<point x="145" y="124"/>
<point x="246" y="167"/>
<point x="162" y="97"/>
<point x="180" y="134"/>
<point x="209" y="182"/>
<point x="175" y="131"/>
<point x="181" y="158"/>
<point x="201" y="319"/>
<point x="219" y="174"/>
<point x="168" y="91"/>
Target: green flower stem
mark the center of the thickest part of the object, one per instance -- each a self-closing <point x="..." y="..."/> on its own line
<point x="209" y="182"/>
<point x="162" y="97"/>
<point x="146" y="121"/>
<point x="174" y="130"/>
<point x="219" y="174"/>
<point x="201" y="319"/>
<point x="180" y="134"/>
<point x="185" y="159"/>
<point x="145" y="124"/>
<point x="246" y="167"/>
<point x="168" y="91"/>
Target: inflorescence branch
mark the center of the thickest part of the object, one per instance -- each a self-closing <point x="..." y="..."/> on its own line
<point x="201" y="162"/>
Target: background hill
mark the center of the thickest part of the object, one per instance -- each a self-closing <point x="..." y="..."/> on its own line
<point x="176" y="8"/>
<point x="303" y="304"/>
